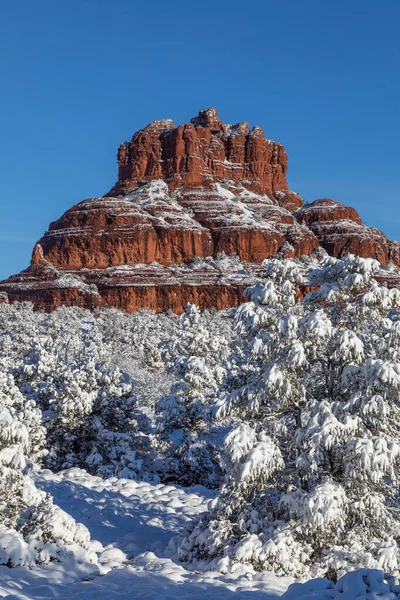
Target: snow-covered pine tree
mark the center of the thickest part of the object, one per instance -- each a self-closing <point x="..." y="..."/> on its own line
<point x="92" y="423"/>
<point x="22" y="436"/>
<point x="313" y="465"/>
<point x="134" y="343"/>
<point x="32" y="529"/>
<point x="195" y="356"/>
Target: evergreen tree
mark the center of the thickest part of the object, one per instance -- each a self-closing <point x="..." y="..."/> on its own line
<point x="196" y="356"/>
<point x="313" y="469"/>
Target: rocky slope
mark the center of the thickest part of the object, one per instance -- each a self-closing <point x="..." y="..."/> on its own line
<point x="183" y="194"/>
<point x="340" y="231"/>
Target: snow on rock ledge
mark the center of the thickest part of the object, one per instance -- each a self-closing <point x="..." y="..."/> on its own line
<point x="340" y="231"/>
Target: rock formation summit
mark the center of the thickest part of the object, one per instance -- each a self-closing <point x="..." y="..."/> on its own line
<point x="185" y="197"/>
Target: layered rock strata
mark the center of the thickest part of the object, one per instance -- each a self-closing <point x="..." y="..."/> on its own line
<point x="340" y="231"/>
<point x="183" y="194"/>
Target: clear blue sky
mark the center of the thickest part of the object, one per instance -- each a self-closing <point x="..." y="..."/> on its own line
<point x="79" y="76"/>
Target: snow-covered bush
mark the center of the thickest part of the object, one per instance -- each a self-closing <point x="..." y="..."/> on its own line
<point x="89" y="411"/>
<point x="195" y="356"/>
<point x="134" y="345"/>
<point x="67" y="367"/>
<point x="34" y="530"/>
<point x="22" y="436"/>
<point x="313" y="465"/>
<point x="96" y="378"/>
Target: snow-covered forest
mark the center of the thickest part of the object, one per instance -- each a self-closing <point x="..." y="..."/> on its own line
<point x="233" y="451"/>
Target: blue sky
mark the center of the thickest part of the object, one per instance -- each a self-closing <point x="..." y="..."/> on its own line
<point x="78" y="77"/>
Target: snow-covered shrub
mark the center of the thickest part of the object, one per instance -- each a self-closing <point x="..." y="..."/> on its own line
<point x="91" y="422"/>
<point x="195" y="356"/>
<point x="62" y="362"/>
<point x="22" y="436"/>
<point x="90" y="409"/>
<point x="134" y="343"/>
<point x="313" y="465"/>
<point x="33" y="529"/>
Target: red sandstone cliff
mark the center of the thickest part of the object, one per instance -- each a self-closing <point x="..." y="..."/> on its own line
<point x="340" y="231"/>
<point x="201" y="152"/>
<point x="185" y="193"/>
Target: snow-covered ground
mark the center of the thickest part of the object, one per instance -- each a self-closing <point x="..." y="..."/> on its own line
<point x="138" y="520"/>
<point x="135" y="522"/>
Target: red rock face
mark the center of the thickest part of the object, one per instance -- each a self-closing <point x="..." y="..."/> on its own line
<point x="153" y="223"/>
<point x="133" y="287"/>
<point x="204" y="150"/>
<point x="340" y="231"/>
<point x="185" y="193"/>
<point x="100" y="233"/>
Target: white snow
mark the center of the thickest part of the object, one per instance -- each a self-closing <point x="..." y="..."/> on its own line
<point x="363" y="584"/>
<point x="135" y="522"/>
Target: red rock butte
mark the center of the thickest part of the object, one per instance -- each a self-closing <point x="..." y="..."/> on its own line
<point x="184" y="195"/>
